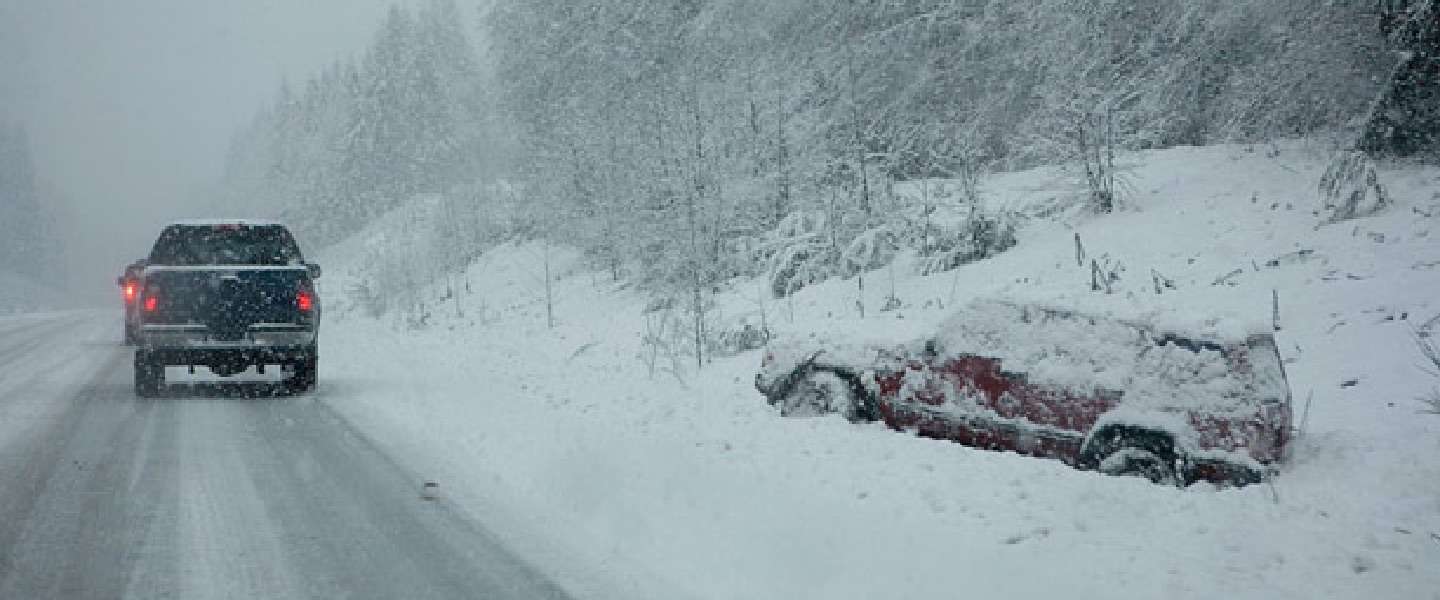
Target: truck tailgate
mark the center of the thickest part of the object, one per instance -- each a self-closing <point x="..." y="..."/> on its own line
<point x="226" y="299"/>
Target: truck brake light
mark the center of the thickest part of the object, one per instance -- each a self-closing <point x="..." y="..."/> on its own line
<point x="304" y="300"/>
<point x="130" y="290"/>
<point x="151" y="302"/>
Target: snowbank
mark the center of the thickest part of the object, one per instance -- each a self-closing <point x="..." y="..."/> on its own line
<point x="630" y="481"/>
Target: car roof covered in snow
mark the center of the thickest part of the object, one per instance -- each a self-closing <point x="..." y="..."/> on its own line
<point x="1184" y="327"/>
<point x="1156" y="364"/>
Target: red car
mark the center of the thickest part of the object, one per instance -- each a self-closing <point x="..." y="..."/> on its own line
<point x="1115" y="396"/>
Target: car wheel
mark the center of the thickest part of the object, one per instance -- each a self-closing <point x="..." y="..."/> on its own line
<point x="1134" y="451"/>
<point x="819" y="393"/>
<point x="1139" y="462"/>
<point x="149" y="376"/>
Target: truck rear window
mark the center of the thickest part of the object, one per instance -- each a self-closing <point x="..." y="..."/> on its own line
<point x="231" y="244"/>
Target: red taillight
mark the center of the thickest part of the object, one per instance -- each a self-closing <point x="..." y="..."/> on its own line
<point x="152" y="302"/>
<point x="130" y="290"/>
<point x="304" y="300"/>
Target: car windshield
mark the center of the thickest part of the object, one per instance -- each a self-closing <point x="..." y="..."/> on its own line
<point x="227" y="244"/>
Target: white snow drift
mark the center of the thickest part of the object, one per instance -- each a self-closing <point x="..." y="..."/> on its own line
<point x="626" y="472"/>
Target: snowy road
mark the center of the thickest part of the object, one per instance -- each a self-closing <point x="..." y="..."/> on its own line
<point x="209" y="492"/>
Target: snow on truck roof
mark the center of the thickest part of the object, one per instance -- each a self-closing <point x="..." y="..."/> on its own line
<point x="214" y="222"/>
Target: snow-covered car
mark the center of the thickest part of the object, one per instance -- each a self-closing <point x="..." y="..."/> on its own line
<point x="1117" y="396"/>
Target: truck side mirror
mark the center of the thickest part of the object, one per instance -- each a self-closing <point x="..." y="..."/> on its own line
<point x="313" y="269"/>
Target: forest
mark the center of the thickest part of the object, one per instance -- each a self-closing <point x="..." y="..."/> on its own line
<point x="29" y="242"/>
<point x="681" y="143"/>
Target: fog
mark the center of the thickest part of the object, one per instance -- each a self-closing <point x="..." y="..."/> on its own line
<point x="130" y="105"/>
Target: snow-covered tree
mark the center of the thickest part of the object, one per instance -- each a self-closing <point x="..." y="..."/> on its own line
<point x="28" y="238"/>
<point x="669" y="138"/>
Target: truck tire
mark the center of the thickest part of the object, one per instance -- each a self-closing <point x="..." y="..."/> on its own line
<point x="305" y="373"/>
<point x="149" y="376"/>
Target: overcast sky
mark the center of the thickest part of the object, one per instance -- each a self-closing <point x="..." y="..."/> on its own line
<point x="130" y="103"/>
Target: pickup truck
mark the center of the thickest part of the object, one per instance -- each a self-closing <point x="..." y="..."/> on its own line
<point x="227" y="295"/>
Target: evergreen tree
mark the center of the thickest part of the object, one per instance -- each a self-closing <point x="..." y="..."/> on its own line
<point x="27" y="242"/>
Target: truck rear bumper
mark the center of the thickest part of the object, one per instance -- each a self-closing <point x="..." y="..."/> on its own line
<point x="195" y="344"/>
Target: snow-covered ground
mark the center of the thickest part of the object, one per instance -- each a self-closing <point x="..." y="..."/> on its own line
<point x="44" y="358"/>
<point x="20" y="294"/>
<point x="626" y="474"/>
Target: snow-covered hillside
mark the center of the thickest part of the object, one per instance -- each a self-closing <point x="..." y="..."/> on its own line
<point x="622" y="469"/>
